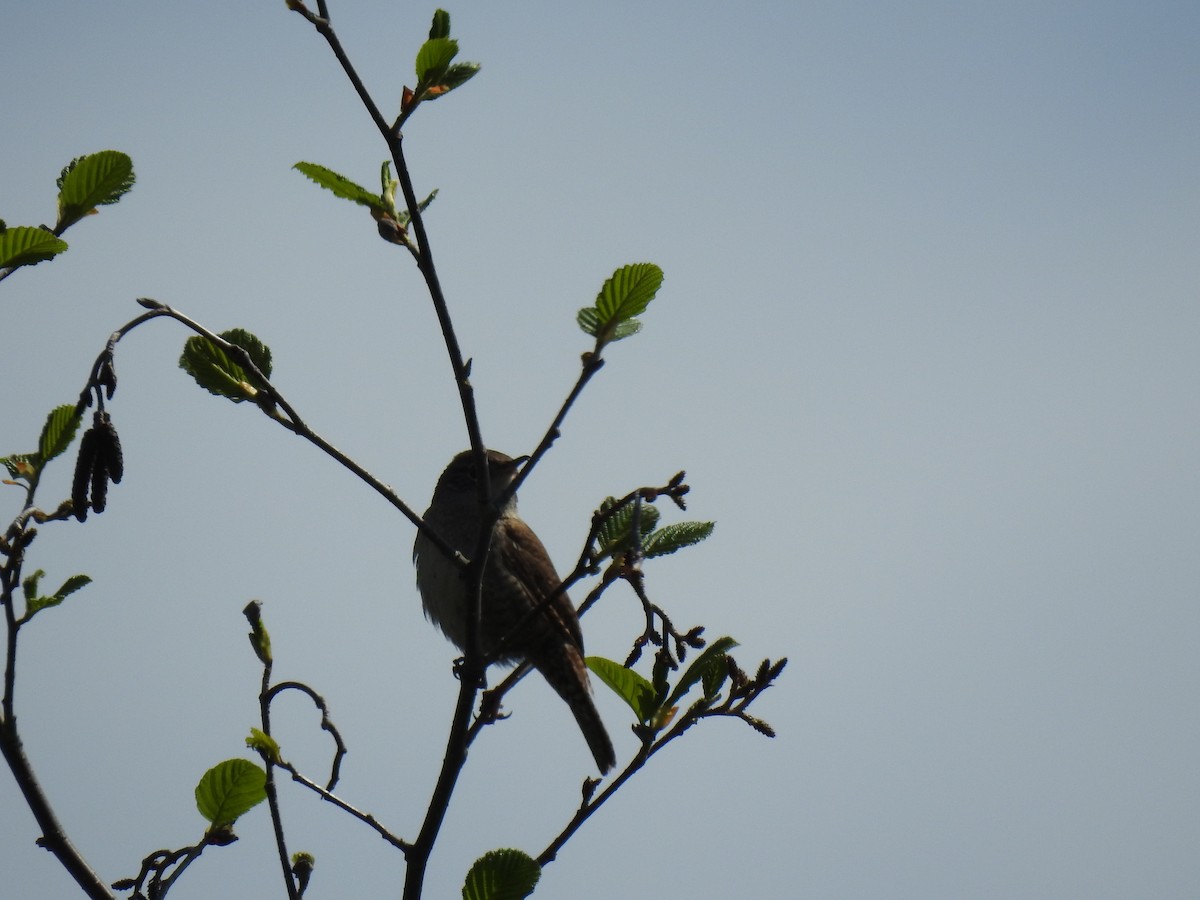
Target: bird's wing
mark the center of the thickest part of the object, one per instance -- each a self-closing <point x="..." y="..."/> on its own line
<point x="525" y="556"/>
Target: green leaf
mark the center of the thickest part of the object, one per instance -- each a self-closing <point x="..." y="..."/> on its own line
<point x="713" y="655"/>
<point x="260" y="353"/>
<point x="216" y="372"/>
<point x="457" y="75"/>
<point x="674" y="537"/>
<point x="263" y="743"/>
<point x="71" y="585"/>
<point x="623" y="330"/>
<point x="625" y="295"/>
<point x="617" y="533"/>
<point x="90" y="181"/>
<point x="230" y="789"/>
<point x="714" y="676"/>
<point x="626" y="684"/>
<point x="403" y="217"/>
<point x="341" y="186"/>
<point x="387" y="185"/>
<point x="502" y="875"/>
<point x="29" y="585"/>
<point x="35" y="603"/>
<point x="435" y="74"/>
<point x="433" y="59"/>
<point x="629" y="291"/>
<point x="589" y="320"/>
<point x="58" y="432"/>
<point x="441" y="25"/>
<point x="615" y="529"/>
<point x="260" y="640"/>
<point x="24" y="245"/>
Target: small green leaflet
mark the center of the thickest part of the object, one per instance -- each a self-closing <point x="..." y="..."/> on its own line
<point x="616" y="534"/>
<point x="263" y="743"/>
<point x="441" y="25"/>
<point x="59" y="431"/>
<point x="676" y="536"/>
<point x="35" y="603"/>
<point x="502" y="875"/>
<point x="708" y="667"/>
<point x="437" y="73"/>
<point x="24" y="245"/>
<point x="629" y="291"/>
<point x="434" y="58"/>
<point x="230" y="789"/>
<point x="90" y="181"/>
<point x="216" y="372"/>
<point x="341" y="186"/>
<point x="624" y="296"/>
<point x="626" y="684"/>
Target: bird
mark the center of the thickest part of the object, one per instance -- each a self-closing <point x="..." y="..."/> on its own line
<point x="517" y="579"/>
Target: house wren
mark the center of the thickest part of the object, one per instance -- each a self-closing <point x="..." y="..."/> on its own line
<point x="517" y="579"/>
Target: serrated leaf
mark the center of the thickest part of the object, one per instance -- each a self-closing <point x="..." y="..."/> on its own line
<point x="714" y="654"/>
<point x="216" y="371"/>
<point x="260" y="353"/>
<point x="589" y="320"/>
<point x="433" y="59"/>
<point x="229" y="789"/>
<point x="676" y="536"/>
<point x="441" y="25"/>
<point x="617" y="533"/>
<point x="626" y="294"/>
<point x="341" y="186"/>
<point x="502" y="875"/>
<point x="24" y="245"/>
<point x="35" y="604"/>
<point x="629" y="291"/>
<point x="614" y="527"/>
<point x="58" y="432"/>
<point x="71" y="585"/>
<point x="90" y="181"/>
<point x="456" y="76"/>
<point x="626" y="684"/>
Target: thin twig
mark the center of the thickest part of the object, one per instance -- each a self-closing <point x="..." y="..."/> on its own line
<point x="54" y="838"/>
<point x="330" y="797"/>
<point x="264" y="708"/>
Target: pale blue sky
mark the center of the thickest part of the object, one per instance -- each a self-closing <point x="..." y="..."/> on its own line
<point x="927" y="347"/>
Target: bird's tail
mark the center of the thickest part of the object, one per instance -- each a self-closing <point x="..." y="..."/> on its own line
<point x="572" y="684"/>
